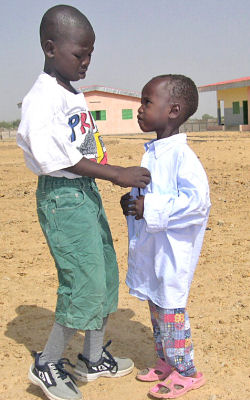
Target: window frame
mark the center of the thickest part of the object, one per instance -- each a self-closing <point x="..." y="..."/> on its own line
<point x="99" y="115"/>
<point x="236" y="107"/>
<point x="127" y="113"/>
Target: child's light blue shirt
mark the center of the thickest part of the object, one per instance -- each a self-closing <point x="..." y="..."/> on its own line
<point x="165" y="245"/>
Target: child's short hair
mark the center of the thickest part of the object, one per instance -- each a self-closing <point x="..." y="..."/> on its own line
<point x="56" y="18"/>
<point x="182" y="88"/>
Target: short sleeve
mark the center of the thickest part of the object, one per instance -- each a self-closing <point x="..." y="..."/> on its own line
<point x="51" y="146"/>
<point x="44" y="133"/>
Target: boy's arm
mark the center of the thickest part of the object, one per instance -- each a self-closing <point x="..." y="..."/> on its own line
<point x="125" y="177"/>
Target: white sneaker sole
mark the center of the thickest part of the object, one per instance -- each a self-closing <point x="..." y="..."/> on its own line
<point x="34" y="379"/>
<point x="83" y="377"/>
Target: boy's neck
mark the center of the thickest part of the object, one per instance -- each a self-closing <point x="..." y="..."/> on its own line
<point x="66" y="84"/>
<point x="167" y="133"/>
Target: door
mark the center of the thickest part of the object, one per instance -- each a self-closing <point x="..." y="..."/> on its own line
<point x="220" y="112"/>
<point x="245" y="112"/>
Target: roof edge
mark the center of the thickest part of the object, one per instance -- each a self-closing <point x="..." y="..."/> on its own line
<point x="234" y="83"/>
<point x="105" y="89"/>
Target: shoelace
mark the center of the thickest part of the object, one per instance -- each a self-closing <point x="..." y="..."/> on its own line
<point x="112" y="364"/>
<point x="113" y="368"/>
<point x="59" y="367"/>
<point x="63" y="373"/>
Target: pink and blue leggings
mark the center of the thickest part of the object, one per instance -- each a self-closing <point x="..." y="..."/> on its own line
<point x="172" y="337"/>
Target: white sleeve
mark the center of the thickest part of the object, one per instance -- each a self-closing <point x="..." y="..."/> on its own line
<point x="45" y="135"/>
<point x="187" y="207"/>
<point x="52" y="148"/>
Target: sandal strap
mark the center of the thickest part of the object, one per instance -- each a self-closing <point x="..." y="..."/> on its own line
<point x="175" y="379"/>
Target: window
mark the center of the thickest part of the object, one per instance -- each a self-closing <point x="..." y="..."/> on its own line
<point x="99" y="115"/>
<point x="127" y="114"/>
<point x="236" y="107"/>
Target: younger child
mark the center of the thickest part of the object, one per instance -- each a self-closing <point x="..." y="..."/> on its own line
<point x="62" y="146"/>
<point x="166" y="225"/>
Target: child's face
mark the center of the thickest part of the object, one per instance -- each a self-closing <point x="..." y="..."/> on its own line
<point x="153" y="114"/>
<point x="72" y="56"/>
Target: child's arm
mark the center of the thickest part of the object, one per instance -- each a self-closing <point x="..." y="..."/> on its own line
<point x="125" y="177"/>
<point x="188" y="206"/>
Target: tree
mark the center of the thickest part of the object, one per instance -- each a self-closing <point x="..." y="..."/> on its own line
<point x="10" y="125"/>
<point x="205" y="117"/>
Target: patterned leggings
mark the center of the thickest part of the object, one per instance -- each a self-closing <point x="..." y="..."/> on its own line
<point x="172" y="337"/>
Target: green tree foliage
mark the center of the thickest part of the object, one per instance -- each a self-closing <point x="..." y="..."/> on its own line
<point x="205" y="117"/>
<point x="9" y="125"/>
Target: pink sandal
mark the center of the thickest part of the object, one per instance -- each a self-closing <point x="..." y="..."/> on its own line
<point x="159" y="372"/>
<point x="176" y="385"/>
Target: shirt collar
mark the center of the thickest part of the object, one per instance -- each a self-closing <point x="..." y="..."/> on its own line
<point x="162" y="145"/>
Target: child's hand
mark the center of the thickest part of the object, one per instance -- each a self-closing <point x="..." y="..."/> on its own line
<point x="124" y="202"/>
<point x="139" y="207"/>
<point x="132" y="207"/>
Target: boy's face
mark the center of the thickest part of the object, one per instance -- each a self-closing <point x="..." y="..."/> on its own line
<point x="72" y="55"/>
<point x="153" y="114"/>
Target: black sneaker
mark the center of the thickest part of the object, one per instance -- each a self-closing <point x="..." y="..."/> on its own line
<point x="107" y="366"/>
<point x="54" y="380"/>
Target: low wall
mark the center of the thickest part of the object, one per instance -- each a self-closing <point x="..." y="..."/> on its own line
<point x="201" y="126"/>
<point x="244" y="128"/>
<point x="189" y="126"/>
<point x="8" y="135"/>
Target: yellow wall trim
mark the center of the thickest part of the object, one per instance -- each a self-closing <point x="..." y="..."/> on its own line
<point x="230" y="95"/>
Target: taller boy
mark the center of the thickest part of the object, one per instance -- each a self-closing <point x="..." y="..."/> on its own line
<point x="60" y="141"/>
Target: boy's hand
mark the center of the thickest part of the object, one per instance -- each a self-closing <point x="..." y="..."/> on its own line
<point x="124" y="177"/>
<point x="132" y="207"/>
<point x="132" y="176"/>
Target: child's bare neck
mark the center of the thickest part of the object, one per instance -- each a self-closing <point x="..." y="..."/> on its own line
<point x="167" y="133"/>
<point x="62" y="82"/>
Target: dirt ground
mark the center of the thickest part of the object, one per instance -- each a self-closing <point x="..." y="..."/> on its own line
<point x="218" y="302"/>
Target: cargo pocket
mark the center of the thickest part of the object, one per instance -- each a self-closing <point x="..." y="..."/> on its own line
<point x="68" y="209"/>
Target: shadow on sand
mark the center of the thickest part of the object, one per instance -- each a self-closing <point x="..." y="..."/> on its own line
<point x="130" y="338"/>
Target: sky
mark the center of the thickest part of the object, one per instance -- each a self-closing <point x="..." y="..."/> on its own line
<point x="207" y="40"/>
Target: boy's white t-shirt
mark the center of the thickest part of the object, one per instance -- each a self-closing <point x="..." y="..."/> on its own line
<point x="57" y="130"/>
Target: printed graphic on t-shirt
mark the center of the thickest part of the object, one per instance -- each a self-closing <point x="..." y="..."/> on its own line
<point x="89" y="141"/>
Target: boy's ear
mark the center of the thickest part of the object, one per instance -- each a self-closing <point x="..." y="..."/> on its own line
<point x="175" y="110"/>
<point x="49" y="48"/>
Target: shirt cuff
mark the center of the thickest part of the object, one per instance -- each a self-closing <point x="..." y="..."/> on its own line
<point x="157" y="209"/>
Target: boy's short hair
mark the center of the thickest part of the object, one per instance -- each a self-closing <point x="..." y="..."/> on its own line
<point x="181" y="88"/>
<point x="56" y="19"/>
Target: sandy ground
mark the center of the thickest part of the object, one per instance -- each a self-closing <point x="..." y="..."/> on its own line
<point x="218" y="303"/>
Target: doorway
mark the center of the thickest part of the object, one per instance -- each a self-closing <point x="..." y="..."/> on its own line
<point x="221" y="112"/>
<point x="245" y="112"/>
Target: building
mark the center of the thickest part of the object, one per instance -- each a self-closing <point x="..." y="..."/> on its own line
<point x="233" y="102"/>
<point x="114" y="110"/>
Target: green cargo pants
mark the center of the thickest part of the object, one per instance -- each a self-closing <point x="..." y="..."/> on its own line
<point x="73" y="220"/>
